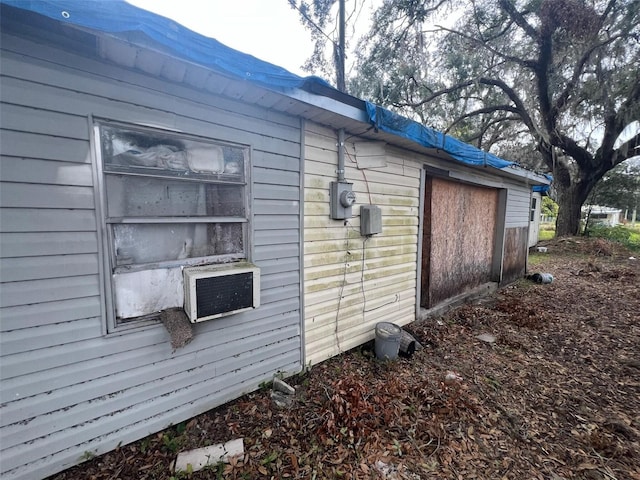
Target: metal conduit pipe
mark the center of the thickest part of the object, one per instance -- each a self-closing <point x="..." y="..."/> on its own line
<point x="340" y="169"/>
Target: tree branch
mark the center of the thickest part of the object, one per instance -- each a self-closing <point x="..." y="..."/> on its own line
<point x="615" y="124"/>
<point x="549" y="118"/>
<point x="480" y="111"/>
<point x="520" y="61"/>
<point x="517" y="17"/>
<point x="568" y="145"/>
<point x="563" y="98"/>
<point x="519" y="109"/>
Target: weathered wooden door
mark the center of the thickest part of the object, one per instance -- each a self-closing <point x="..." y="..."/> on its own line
<point x="458" y="238"/>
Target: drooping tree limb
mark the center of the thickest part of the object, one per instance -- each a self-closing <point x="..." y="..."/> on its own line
<point x="497" y="134"/>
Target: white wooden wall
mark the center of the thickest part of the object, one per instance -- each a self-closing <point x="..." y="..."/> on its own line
<point x="351" y="284"/>
<point x="518" y="206"/>
<point x="66" y="387"/>
<point x="534" y="225"/>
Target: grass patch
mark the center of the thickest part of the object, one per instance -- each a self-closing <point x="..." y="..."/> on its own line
<point x="546" y="235"/>
<point x="537" y="258"/>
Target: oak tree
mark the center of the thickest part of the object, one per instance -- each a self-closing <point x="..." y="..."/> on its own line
<point x="555" y="81"/>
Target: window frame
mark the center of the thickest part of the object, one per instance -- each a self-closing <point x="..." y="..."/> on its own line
<point x="107" y="224"/>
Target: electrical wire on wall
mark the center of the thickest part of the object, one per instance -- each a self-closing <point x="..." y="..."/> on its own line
<point x="344" y="279"/>
<point x="366" y="182"/>
<point x="396" y="297"/>
<point x="347" y="257"/>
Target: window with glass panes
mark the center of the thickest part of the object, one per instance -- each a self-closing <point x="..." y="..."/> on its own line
<point x="171" y="199"/>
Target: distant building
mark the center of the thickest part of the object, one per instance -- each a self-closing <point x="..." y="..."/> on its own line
<point x="598" y="215"/>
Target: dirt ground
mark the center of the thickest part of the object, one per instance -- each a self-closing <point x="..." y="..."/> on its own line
<point x="555" y="396"/>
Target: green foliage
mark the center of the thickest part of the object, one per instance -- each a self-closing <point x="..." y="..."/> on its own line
<point x="181" y="428"/>
<point x="265" y="385"/>
<point x="145" y="444"/>
<point x="549" y="208"/>
<point x="546" y="234"/>
<point x="171" y="443"/>
<point x="272" y="457"/>
<point x="619" y="188"/>
<point x="87" y="455"/>
<point x="537" y="259"/>
<point x="317" y="16"/>
<point x="626" y="236"/>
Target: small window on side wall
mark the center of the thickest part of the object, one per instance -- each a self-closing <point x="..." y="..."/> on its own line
<point x="169" y="200"/>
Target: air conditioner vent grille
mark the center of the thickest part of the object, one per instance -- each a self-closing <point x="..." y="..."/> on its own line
<point x="224" y="294"/>
<point x="213" y="291"/>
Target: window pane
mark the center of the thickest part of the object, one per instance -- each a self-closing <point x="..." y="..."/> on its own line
<point x="136" y="244"/>
<point x="133" y="196"/>
<point x="125" y="149"/>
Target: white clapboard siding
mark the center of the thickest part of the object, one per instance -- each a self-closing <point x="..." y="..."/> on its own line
<point x="16" y="169"/>
<point x="26" y="195"/>
<point x="518" y="206"/>
<point x="220" y="390"/>
<point x="344" y="296"/>
<point x="67" y="387"/>
<point x="328" y="346"/>
<point x="48" y="147"/>
<point x="45" y="313"/>
<point x="35" y="244"/>
<point x="26" y="119"/>
<point x="144" y="355"/>
<point x="52" y="266"/>
<point x="35" y="338"/>
<point x="171" y="379"/>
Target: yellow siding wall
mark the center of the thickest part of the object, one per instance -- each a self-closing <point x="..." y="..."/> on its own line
<point x="346" y="295"/>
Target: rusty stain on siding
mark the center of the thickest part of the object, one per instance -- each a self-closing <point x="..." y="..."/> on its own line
<point x="458" y="241"/>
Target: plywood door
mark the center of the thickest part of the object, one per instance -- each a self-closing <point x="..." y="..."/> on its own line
<point x="458" y="238"/>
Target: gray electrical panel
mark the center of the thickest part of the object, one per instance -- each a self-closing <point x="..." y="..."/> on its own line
<point x="370" y="220"/>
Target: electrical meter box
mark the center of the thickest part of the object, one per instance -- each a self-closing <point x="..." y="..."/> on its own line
<point x="370" y="220"/>
<point x="341" y="199"/>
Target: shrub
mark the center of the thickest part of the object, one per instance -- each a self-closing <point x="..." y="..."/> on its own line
<point x="619" y="234"/>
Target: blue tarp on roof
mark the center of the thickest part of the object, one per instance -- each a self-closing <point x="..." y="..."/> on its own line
<point x="118" y="17"/>
<point x="390" y="122"/>
<point x="543" y="188"/>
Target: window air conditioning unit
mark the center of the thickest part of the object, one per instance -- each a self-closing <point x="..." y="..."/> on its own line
<point x="214" y="291"/>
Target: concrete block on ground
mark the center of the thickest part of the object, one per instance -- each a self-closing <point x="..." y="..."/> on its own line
<point x="212" y="455"/>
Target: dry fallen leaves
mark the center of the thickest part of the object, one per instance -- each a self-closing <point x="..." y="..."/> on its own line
<point x="557" y="395"/>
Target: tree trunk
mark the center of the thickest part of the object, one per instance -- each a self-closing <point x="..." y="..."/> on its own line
<point x="570" y="201"/>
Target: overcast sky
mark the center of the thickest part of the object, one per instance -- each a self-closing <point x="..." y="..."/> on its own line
<point x="267" y="29"/>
